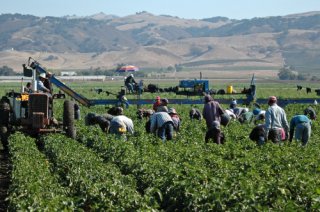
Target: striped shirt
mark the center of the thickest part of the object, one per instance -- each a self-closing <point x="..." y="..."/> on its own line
<point x="158" y="120"/>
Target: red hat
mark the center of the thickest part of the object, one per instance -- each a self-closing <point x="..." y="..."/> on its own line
<point x="272" y="100"/>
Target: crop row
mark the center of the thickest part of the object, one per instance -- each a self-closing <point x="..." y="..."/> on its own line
<point x="33" y="187"/>
<point x="190" y="175"/>
<point x="99" y="172"/>
<point x="95" y="185"/>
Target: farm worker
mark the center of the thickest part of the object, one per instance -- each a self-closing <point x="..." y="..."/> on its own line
<point x="195" y="113"/>
<point x="215" y="133"/>
<point x="130" y="83"/>
<point x="40" y="83"/>
<point x="162" y="123"/>
<point x="47" y="82"/>
<point x="164" y="102"/>
<point x="246" y="117"/>
<point x="258" y="115"/>
<point x="302" y="127"/>
<point x="212" y="111"/>
<point x="175" y="118"/>
<point x="230" y="113"/>
<point x="258" y="134"/>
<point x="120" y="124"/>
<point x="157" y="103"/>
<point x="28" y="88"/>
<point x="310" y="112"/>
<point x="233" y="104"/>
<point x="237" y="110"/>
<point x="102" y="120"/>
<point x="145" y="113"/>
<point x="141" y="86"/>
<point x="276" y="124"/>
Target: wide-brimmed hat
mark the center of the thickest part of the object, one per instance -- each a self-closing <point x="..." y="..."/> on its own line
<point x="166" y="101"/>
<point x="43" y="75"/>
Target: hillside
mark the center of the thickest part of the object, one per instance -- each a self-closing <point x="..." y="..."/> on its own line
<point x="149" y="41"/>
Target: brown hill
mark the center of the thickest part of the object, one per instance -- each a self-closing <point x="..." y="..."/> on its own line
<point x="149" y="41"/>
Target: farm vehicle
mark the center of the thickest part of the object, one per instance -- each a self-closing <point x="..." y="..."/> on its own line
<point x="32" y="113"/>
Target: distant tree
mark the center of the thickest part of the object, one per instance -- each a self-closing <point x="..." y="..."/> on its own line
<point x="314" y="78"/>
<point x="7" y="71"/>
<point x="302" y="76"/>
<point x="178" y="67"/>
<point x="170" y="68"/>
<point x="287" y="73"/>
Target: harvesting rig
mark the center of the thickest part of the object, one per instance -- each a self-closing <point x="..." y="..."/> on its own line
<point x="32" y="113"/>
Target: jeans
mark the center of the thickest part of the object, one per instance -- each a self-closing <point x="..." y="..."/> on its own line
<point x="130" y="87"/>
<point x="166" y="131"/>
<point x="303" y="132"/>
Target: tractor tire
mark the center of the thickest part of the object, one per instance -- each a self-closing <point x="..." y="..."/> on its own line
<point x="4" y="134"/>
<point x="68" y="119"/>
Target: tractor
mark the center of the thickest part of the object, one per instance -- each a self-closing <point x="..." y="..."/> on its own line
<point x="32" y="113"/>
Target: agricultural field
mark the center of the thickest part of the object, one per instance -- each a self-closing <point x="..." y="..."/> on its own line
<point x="97" y="171"/>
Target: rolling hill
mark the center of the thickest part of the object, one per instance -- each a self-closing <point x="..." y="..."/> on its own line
<point x="149" y="41"/>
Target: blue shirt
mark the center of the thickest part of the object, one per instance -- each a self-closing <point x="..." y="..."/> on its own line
<point x="297" y="119"/>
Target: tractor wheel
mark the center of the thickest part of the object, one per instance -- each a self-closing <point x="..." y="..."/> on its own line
<point x="4" y="134"/>
<point x="68" y="119"/>
<point x="4" y="122"/>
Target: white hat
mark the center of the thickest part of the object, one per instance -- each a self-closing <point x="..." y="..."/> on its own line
<point x="43" y="75"/>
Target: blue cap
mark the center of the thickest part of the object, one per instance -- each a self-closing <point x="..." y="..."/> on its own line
<point x="256" y="111"/>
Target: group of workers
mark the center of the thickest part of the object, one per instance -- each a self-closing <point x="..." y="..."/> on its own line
<point x="164" y="121"/>
<point x="275" y="127"/>
<point x="270" y="124"/>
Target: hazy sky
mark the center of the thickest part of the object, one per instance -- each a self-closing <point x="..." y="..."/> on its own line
<point x="198" y="9"/>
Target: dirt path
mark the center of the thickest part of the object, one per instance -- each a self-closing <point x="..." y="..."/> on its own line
<point x="4" y="178"/>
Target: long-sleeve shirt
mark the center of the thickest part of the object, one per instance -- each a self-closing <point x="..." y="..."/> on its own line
<point x="158" y="120"/>
<point x="176" y="122"/>
<point x="212" y="111"/>
<point x="275" y="119"/>
<point x="41" y="87"/>
<point x="297" y="119"/>
<point x="122" y="120"/>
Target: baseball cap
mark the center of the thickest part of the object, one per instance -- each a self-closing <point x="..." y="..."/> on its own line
<point x="272" y="100"/>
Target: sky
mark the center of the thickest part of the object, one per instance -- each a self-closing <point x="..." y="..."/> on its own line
<point x="188" y="9"/>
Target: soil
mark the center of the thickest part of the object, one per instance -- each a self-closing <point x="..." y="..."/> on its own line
<point x="4" y="178"/>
